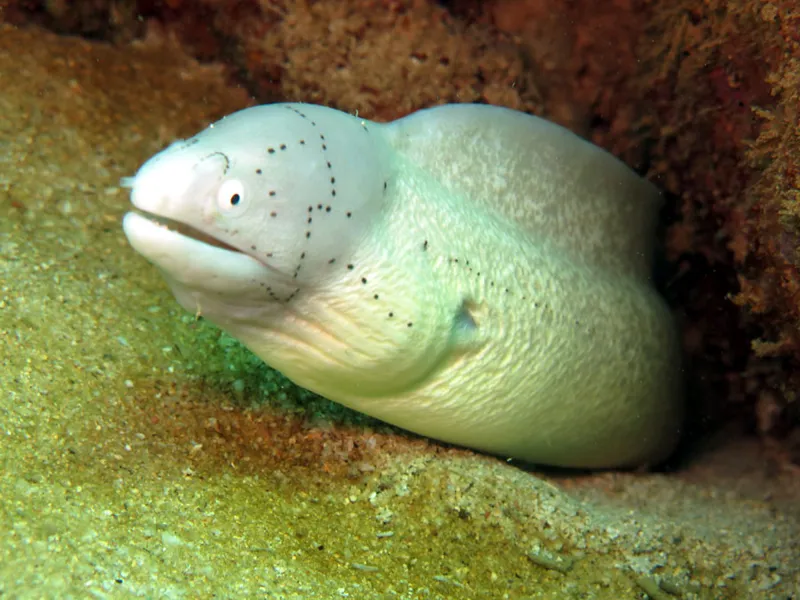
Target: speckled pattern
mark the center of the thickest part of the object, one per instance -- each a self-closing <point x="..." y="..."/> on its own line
<point x="145" y="455"/>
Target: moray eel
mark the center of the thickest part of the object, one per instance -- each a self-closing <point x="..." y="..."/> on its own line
<point x="470" y="273"/>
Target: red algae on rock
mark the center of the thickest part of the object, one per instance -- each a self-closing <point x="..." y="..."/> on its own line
<point x="722" y="81"/>
<point x="382" y="59"/>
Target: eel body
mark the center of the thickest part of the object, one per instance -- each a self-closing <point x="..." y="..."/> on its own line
<point x="470" y="273"/>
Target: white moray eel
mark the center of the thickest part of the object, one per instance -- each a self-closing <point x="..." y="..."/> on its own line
<point x="470" y="273"/>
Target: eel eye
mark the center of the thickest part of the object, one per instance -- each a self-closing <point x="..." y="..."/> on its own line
<point x="230" y="195"/>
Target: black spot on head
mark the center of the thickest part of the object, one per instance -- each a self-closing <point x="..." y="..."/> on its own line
<point x="333" y="192"/>
<point x="295" y="110"/>
<point x="363" y="280"/>
<point x="349" y="214"/>
<point x="319" y="206"/>
<point x="350" y="266"/>
<point x="324" y="147"/>
<point x="329" y="164"/>
<point x="235" y="199"/>
<point x="273" y="214"/>
<point x="302" y="142"/>
<point x="272" y="192"/>
<point x="409" y="324"/>
<point x="258" y="171"/>
<point x="331" y="261"/>
<point x="425" y="245"/>
<point x="391" y="314"/>
<point x="283" y="146"/>
<point x="327" y="209"/>
<point x="310" y="208"/>
<point x="271" y="150"/>
<point x="308" y="234"/>
<point x="333" y="179"/>
<point x="253" y="248"/>
<point x="375" y="296"/>
<point x="384" y="186"/>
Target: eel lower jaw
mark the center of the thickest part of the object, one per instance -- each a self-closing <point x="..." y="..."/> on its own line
<point x="191" y="258"/>
<point x="185" y="230"/>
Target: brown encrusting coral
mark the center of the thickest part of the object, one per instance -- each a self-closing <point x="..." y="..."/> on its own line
<point x="383" y="59"/>
<point x="721" y="83"/>
<point x="703" y="97"/>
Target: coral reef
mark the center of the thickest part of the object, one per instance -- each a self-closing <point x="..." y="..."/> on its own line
<point x="383" y="59"/>
<point x="720" y="81"/>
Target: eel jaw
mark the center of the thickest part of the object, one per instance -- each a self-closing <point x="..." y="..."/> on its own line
<point x="194" y="261"/>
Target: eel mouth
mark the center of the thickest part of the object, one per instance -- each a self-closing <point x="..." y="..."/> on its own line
<point x="192" y="258"/>
<point x="185" y="230"/>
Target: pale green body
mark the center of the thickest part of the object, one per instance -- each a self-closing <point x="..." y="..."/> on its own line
<point x="495" y="296"/>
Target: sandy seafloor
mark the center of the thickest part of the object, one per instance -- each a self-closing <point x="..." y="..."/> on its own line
<point x="144" y="454"/>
